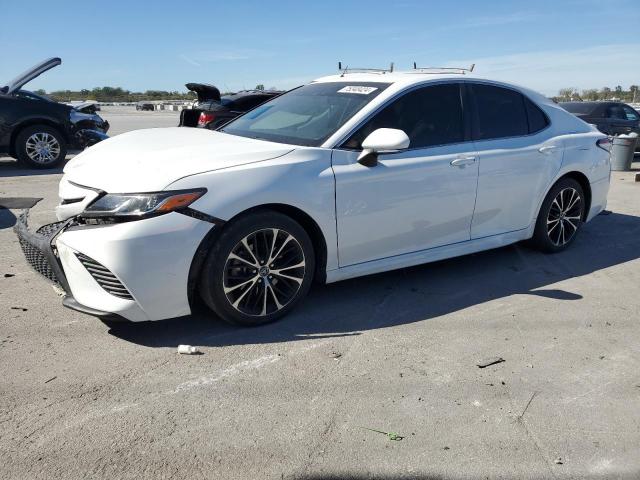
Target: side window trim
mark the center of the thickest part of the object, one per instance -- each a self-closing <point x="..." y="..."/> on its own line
<point x="339" y="145"/>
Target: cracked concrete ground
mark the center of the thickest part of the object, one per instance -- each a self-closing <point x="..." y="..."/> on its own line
<point x="395" y="352"/>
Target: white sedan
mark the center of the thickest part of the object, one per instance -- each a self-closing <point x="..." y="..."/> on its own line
<point x="349" y="175"/>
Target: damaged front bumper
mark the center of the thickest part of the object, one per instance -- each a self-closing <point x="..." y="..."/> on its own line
<point x="40" y="252"/>
<point x="88" y="137"/>
<point x="138" y="270"/>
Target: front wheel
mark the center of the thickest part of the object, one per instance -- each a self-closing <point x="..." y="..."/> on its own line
<point x="260" y="267"/>
<point x="560" y="216"/>
<point x="40" y="146"/>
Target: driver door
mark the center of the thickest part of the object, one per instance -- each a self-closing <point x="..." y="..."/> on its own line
<point x="419" y="198"/>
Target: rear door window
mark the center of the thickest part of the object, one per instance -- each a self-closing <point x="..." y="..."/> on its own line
<point x="429" y="116"/>
<point x="500" y="113"/>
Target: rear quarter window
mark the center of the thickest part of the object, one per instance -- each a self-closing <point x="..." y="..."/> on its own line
<point x="537" y="119"/>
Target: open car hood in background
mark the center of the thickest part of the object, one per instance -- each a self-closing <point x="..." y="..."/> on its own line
<point x="204" y="91"/>
<point x="30" y="74"/>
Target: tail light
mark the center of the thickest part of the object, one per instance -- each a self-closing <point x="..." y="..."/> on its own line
<point x="604" y="143"/>
<point x="205" y="118"/>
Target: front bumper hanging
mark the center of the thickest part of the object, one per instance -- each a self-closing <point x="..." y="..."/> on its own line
<point x="40" y="252"/>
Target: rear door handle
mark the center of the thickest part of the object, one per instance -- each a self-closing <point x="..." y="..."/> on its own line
<point x="462" y="161"/>
<point x="548" y="149"/>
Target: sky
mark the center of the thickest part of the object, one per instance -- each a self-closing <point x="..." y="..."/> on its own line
<point x="542" y="44"/>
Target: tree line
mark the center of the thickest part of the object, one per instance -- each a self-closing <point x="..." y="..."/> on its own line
<point x="631" y="95"/>
<point x="117" y="94"/>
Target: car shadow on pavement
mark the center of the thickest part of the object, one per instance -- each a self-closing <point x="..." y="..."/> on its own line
<point x="412" y="294"/>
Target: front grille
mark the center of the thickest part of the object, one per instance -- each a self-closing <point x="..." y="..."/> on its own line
<point x="35" y="255"/>
<point x="103" y="276"/>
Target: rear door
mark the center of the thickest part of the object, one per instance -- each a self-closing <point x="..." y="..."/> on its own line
<point x="518" y="156"/>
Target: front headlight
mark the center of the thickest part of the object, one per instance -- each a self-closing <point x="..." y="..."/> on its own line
<point x="131" y="206"/>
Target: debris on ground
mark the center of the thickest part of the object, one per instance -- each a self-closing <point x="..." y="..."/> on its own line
<point x="558" y="461"/>
<point x="9" y="275"/>
<point x="390" y="435"/>
<point x="20" y="308"/>
<point x="490" y="361"/>
<point x="335" y="355"/>
<point x="51" y="379"/>
<point x="446" y="448"/>
<point x="188" y="350"/>
<point x="528" y="403"/>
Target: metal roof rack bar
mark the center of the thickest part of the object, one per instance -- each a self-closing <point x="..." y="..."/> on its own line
<point x="348" y="69"/>
<point x="459" y="70"/>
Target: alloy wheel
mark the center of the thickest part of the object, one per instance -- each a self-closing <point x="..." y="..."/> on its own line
<point x="264" y="272"/>
<point x="564" y="216"/>
<point x="42" y="148"/>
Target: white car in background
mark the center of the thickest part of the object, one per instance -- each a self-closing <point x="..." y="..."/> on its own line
<point x="350" y="175"/>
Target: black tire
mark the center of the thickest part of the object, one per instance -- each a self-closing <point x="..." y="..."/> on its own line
<point x="265" y="295"/>
<point x="560" y="217"/>
<point x="25" y="152"/>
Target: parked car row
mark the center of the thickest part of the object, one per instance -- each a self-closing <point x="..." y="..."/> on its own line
<point x="349" y="175"/>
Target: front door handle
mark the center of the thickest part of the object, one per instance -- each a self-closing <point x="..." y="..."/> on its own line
<point x="462" y="161"/>
<point x="548" y="149"/>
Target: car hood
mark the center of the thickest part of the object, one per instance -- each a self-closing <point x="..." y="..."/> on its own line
<point x="27" y="76"/>
<point x="149" y="160"/>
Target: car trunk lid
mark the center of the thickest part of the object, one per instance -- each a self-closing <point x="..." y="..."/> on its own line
<point x="204" y="91"/>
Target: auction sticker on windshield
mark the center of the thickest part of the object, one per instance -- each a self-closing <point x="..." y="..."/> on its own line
<point x="357" y="89"/>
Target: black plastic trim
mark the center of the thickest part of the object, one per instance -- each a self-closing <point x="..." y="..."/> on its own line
<point x="70" y="302"/>
<point x="191" y="212"/>
<point x="44" y="244"/>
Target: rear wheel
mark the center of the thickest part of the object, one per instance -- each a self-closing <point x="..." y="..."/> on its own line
<point x="40" y="146"/>
<point x="560" y="216"/>
<point x="261" y="266"/>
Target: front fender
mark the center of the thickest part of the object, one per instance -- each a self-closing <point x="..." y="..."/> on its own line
<point x="302" y="179"/>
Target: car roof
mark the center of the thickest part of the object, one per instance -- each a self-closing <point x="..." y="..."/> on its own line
<point x="405" y="79"/>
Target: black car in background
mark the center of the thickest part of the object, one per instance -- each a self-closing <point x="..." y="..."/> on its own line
<point x="37" y="130"/>
<point x="211" y="110"/>
<point x="145" y="106"/>
<point x="612" y="118"/>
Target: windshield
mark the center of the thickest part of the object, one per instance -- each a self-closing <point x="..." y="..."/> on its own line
<point x="579" y="107"/>
<point x="307" y="115"/>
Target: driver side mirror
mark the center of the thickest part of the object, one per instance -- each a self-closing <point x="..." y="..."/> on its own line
<point x="382" y="140"/>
